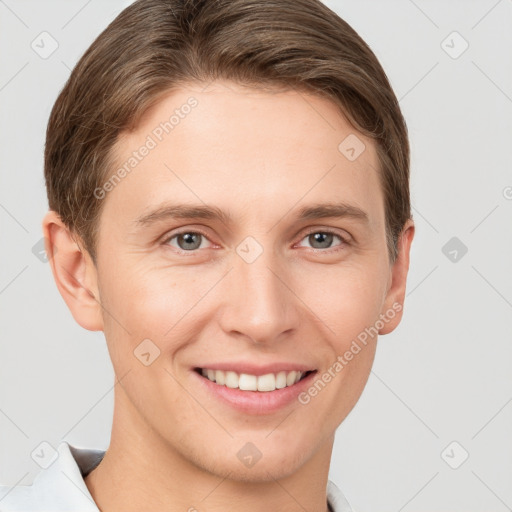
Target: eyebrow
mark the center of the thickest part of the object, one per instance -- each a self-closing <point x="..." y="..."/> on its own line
<point x="335" y="210"/>
<point x="311" y="212"/>
<point x="183" y="211"/>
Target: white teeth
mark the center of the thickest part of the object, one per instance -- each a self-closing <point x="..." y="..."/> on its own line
<point x="231" y="380"/>
<point x="281" y="380"/>
<point x="220" y="377"/>
<point x="290" y="378"/>
<point x="267" y="382"/>
<point x="247" y="382"/>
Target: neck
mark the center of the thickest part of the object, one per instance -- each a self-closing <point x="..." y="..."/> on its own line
<point x="141" y="471"/>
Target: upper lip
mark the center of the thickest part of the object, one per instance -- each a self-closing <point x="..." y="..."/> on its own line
<point x="254" y="369"/>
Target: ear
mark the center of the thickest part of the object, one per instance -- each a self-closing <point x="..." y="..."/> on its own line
<point x="74" y="272"/>
<point x="395" y="295"/>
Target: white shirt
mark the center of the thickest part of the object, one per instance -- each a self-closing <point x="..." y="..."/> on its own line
<point x="61" y="487"/>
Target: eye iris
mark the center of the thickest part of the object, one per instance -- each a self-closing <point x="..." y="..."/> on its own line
<point x="192" y="241"/>
<point x="324" y="239"/>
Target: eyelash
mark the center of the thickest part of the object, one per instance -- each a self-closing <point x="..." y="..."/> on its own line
<point x="343" y="241"/>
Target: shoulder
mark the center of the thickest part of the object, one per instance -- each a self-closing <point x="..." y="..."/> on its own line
<point x="337" y="500"/>
<point x="60" y="487"/>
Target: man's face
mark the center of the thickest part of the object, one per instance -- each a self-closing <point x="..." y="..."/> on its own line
<point x="274" y="285"/>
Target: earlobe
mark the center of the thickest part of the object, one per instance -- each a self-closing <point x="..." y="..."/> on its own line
<point x="74" y="273"/>
<point x="393" y="304"/>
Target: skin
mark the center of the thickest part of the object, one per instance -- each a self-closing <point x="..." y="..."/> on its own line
<point x="259" y="156"/>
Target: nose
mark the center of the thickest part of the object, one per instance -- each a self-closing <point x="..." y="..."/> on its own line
<point x="258" y="301"/>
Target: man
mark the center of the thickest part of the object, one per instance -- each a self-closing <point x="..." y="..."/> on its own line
<point x="229" y="204"/>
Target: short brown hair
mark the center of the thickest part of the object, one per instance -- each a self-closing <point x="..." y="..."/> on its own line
<point x="154" y="46"/>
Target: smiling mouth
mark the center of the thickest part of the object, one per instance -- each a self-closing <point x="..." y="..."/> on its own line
<point x="248" y="382"/>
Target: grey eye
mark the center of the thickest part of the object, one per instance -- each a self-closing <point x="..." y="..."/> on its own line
<point x="189" y="241"/>
<point x="323" y="240"/>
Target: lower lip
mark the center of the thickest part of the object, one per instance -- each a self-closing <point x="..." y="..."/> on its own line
<point x="256" y="402"/>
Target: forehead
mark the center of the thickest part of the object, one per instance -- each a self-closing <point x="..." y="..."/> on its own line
<point x="243" y="148"/>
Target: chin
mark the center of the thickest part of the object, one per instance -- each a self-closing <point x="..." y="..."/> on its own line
<point x="270" y="462"/>
<point x="263" y="471"/>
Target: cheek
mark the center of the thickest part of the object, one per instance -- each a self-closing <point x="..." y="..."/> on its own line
<point x="147" y="301"/>
<point x="346" y="299"/>
<point x="162" y="305"/>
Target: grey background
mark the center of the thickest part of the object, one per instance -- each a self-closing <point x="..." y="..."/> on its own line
<point x="444" y="375"/>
